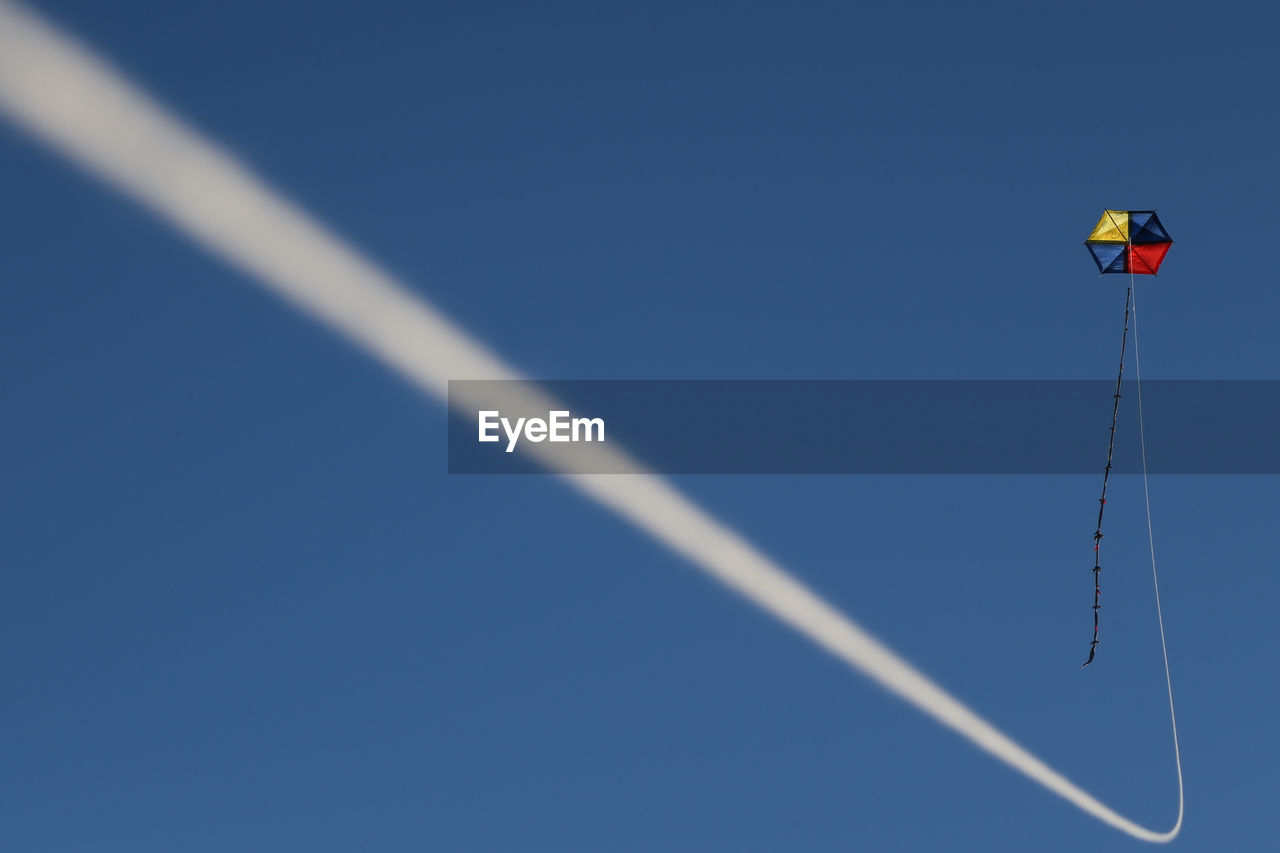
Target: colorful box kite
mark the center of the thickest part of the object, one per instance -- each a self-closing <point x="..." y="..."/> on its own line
<point x="1129" y="241"/>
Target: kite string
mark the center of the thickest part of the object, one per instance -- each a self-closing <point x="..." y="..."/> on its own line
<point x="1151" y="545"/>
<point x="1106" y="476"/>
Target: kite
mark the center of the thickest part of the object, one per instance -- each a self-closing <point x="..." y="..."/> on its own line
<point x="1128" y="241"/>
<point x="1133" y="242"/>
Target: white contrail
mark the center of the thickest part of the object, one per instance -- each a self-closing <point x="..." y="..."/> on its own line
<point x="80" y="106"/>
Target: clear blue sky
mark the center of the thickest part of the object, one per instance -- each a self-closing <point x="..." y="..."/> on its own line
<point x="246" y="608"/>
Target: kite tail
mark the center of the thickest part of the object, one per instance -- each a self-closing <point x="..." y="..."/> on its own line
<point x="1106" y="475"/>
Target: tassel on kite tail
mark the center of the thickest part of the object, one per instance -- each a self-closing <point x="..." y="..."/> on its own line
<point x="1106" y="475"/>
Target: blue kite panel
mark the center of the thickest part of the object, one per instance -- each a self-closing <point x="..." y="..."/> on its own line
<point x="1150" y="232"/>
<point x="1107" y="256"/>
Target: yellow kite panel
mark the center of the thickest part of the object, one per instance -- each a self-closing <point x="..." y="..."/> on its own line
<point x="1113" y="227"/>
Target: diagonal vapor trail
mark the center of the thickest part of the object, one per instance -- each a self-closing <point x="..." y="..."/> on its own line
<point x="78" y="105"/>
